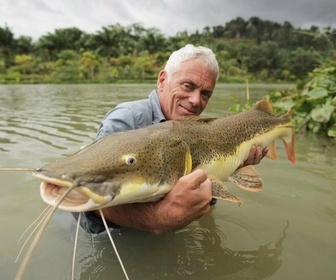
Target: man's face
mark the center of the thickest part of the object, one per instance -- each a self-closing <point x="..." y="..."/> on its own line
<point x="187" y="92"/>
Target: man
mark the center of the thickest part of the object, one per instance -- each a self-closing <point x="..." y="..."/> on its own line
<point x="184" y="88"/>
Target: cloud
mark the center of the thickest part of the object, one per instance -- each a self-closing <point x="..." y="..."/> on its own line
<point x="38" y="17"/>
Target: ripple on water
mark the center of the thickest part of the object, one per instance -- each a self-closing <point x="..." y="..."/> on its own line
<point x="39" y="124"/>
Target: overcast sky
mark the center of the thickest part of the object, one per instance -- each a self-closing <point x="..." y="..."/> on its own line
<point x="38" y="17"/>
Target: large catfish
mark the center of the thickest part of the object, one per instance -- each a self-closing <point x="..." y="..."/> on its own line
<point x="143" y="165"/>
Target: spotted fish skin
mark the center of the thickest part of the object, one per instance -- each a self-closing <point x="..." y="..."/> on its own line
<point x="143" y="165"/>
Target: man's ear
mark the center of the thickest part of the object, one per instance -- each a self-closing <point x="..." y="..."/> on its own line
<point x="162" y="79"/>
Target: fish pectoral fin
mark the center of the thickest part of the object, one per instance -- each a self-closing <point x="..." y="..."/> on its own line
<point x="247" y="178"/>
<point x="220" y="191"/>
<point x="272" y="153"/>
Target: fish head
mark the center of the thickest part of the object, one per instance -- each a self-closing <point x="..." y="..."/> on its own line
<point x="125" y="167"/>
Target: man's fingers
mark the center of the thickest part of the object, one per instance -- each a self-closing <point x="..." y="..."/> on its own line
<point x="264" y="152"/>
<point x="255" y="156"/>
<point x="196" y="177"/>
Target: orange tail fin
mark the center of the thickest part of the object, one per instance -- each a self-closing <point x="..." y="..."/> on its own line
<point x="290" y="149"/>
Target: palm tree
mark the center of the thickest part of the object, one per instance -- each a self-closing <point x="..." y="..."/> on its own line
<point x="61" y="39"/>
<point x="108" y="40"/>
<point x="24" y="45"/>
<point x="153" y="41"/>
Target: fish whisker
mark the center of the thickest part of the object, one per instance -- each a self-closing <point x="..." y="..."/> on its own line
<point x="113" y="245"/>
<point x="38" y="235"/>
<point x="34" y="222"/>
<point x="75" y="246"/>
<point x="43" y="214"/>
<point x="17" y="169"/>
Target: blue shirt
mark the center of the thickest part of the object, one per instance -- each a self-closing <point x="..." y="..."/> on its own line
<point x="132" y="115"/>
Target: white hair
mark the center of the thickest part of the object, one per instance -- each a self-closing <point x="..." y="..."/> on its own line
<point x="189" y="52"/>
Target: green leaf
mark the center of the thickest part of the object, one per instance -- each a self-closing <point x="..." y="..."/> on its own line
<point x="316" y="128"/>
<point x="317" y="93"/>
<point x="332" y="131"/>
<point x="333" y="102"/>
<point x="322" y="114"/>
<point x="284" y="104"/>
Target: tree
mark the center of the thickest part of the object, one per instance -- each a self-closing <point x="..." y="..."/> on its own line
<point x="23" y="63"/>
<point x="153" y="41"/>
<point x="236" y="28"/>
<point x="109" y="42"/>
<point x="24" y="45"/>
<point x="303" y="61"/>
<point x="6" y="45"/>
<point x="263" y="57"/>
<point x="61" y="39"/>
<point x="90" y="63"/>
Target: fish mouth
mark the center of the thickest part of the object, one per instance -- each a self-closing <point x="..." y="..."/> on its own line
<point x="78" y="199"/>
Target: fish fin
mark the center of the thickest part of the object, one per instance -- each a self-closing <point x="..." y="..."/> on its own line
<point x="220" y="191"/>
<point x="264" y="106"/>
<point x="196" y="119"/>
<point x="188" y="161"/>
<point x="272" y="153"/>
<point x="288" y="140"/>
<point x="206" y="120"/>
<point x="247" y="178"/>
<point x="290" y="148"/>
<point x="289" y="113"/>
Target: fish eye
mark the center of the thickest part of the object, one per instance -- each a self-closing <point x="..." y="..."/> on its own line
<point x="130" y="160"/>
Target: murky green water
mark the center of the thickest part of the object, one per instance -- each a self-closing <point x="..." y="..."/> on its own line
<point x="287" y="231"/>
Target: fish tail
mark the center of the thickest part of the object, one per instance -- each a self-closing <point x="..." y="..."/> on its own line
<point x="290" y="147"/>
<point x="288" y="140"/>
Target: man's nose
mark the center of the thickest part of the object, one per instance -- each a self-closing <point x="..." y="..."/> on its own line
<point x="195" y="98"/>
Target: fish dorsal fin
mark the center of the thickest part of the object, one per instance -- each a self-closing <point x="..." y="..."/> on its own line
<point x="289" y="113"/>
<point x="264" y="106"/>
<point x="206" y="120"/>
<point x="198" y="119"/>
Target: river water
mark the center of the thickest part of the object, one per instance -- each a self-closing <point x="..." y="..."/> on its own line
<point x="287" y="231"/>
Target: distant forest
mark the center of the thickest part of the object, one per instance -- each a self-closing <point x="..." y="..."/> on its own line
<point x="254" y="49"/>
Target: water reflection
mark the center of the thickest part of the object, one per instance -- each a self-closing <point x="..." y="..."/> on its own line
<point x="196" y="252"/>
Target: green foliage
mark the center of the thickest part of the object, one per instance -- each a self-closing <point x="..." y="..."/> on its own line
<point x="6" y="45"/>
<point x="67" y="67"/>
<point x="314" y="103"/>
<point x="90" y="63"/>
<point x="254" y="49"/>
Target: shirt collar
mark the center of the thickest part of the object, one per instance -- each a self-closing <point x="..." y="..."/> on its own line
<point x="157" y="112"/>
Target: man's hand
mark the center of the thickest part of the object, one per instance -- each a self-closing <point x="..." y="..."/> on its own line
<point x="187" y="201"/>
<point x="255" y="156"/>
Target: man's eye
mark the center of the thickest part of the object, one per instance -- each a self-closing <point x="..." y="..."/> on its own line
<point x="206" y="95"/>
<point x="187" y="86"/>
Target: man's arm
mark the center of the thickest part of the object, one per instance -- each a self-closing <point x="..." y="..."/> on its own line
<point x="186" y="202"/>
